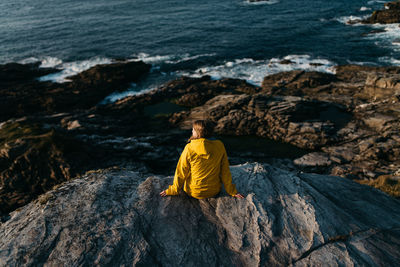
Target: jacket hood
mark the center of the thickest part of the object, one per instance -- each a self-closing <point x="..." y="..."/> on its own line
<point x="201" y="147"/>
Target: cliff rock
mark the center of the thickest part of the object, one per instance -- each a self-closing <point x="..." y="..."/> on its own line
<point x="115" y="217"/>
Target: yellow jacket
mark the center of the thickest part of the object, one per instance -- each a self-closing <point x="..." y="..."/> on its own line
<point x="202" y="167"/>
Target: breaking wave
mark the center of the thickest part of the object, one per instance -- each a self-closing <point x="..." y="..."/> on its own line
<point x="254" y="71"/>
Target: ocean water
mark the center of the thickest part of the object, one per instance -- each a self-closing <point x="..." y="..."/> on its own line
<point x="222" y="38"/>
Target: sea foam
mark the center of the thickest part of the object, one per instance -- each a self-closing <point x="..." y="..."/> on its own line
<point x="151" y="59"/>
<point x="389" y="38"/>
<point x="132" y="91"/>
<point x="270" y="2"/>
<point x="168" y="59"/>
<point x="254" y="71"/>
<point x="376" y="2"/>
<point x="45" y="62"/>
<point x="390" y="60"/>
<point x="68" y="69"/>
<point x="364" y="8"/>
<point x="347" y="19"/>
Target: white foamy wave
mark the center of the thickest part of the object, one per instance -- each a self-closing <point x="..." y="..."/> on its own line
<point x="120" y="95"/>
<point x="70" y="68"/>
<point x="364" y="8"/>
<point x="390" y="60"/>
<point x="188" y="57"/>
<point x="348" y="19"/>
<point x="46" y="62"/>
<point x="169" y="59"/>
<point x="29" y="60"/>
<point x="151" y="59"/>
<point x="376" y="2"/>
<point x="362" y="63"/>
<point x="389" y="38"/>
<point x="50" y="62"/>
<point x="270" y="2"/>
<point x="254" y="71"/>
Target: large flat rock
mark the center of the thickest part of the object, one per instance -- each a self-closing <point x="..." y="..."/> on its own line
<point x="116" y="218"/>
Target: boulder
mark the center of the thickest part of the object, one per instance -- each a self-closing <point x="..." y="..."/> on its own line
<point x="116" y="75"/>
<point x="116" y="217"/>
<point x="34" y="159"/>
<point x="391" y="14"/>
<point x="313" y="162"/>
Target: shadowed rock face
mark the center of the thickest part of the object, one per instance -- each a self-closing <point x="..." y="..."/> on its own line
<point x="21" y="94"/>
<point x="116" y="217"/>
<point x="34" y="159"/>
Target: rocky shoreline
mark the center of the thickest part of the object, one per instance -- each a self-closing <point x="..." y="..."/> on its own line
<point x="390" y="14"/>
<point x="346" y="123"/>
<point x="79" y="178"/>
<point x="58" y="163"/>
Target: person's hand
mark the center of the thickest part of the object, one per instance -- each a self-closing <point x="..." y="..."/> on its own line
<point x="163" y="194"/>
<point x="238" y="195"/>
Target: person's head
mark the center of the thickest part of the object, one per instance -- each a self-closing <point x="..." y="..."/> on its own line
<point x="201" y="129"/>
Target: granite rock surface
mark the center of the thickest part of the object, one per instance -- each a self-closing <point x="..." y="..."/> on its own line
<point x="115" y="217"/>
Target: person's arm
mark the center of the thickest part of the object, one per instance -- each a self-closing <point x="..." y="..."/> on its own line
<point x="226" y="175"/>
<point x="182" y="172"/>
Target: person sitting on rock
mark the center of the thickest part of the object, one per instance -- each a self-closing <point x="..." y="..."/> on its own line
<point x="202" y="166"/>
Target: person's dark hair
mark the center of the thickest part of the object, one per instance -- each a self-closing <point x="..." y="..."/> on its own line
<point x="204" y="129"/>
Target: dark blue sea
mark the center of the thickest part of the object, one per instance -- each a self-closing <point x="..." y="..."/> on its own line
<point x="222" y="38"/>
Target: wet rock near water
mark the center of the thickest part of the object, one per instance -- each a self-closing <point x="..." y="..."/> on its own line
<point x="116" y="217"/>
<point x="391" y="14"/>
<point x="184" y="91"/>
<point x="348" y="122"/>
<point x="350" y="117"/>
<point x="117" y="75"/>
<point x="14" y="73"/>
<point x="23" y="94"/>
